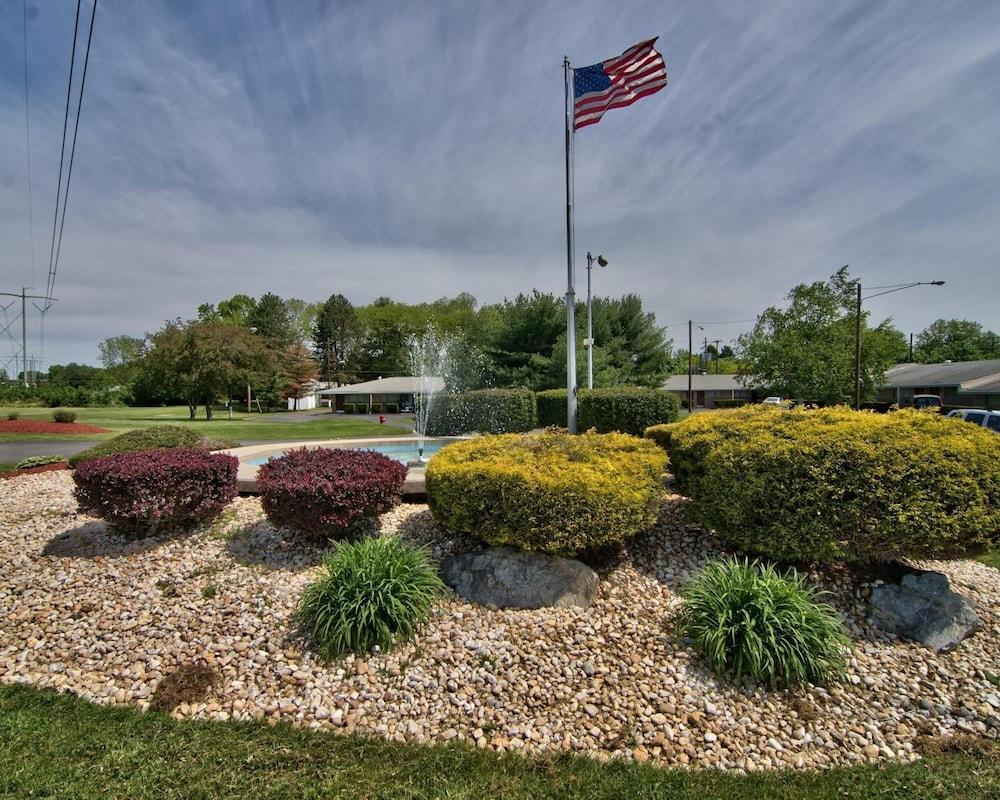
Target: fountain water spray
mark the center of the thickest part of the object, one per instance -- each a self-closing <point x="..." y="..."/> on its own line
<point x="430" y="363"/>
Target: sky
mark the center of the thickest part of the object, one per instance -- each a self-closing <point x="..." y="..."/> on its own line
<point x="416" y="150"/>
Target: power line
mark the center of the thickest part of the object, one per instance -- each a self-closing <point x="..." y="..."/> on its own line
<point x="72" y="152"/>
<point x="62" y="151"/>
<point x="27" y="136"/>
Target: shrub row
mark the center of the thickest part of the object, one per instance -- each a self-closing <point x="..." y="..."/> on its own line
<point x="834" y="484"/>
<point x="148" y="492"/>
<point x="734" y="403"/>
<point x="56" y="396"/>
<point x="323" y="491"/>
<point x="552" y="492"/>
<point x="157" y="437"/>
<point x="482" y="411"/>
<point x="627" y="409"/>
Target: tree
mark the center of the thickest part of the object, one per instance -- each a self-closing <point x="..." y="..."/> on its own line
<point x="271" y="320"/>
<point x="237" y="311"/>
<point x="78" y="376"/>
<point x="807" y="349"/>
<point x="336" y="337"/>
<point x="202" y="361"/>
<point x="303" y="318"/>
<point x="955" y="340"/>
<point x="299" y="373"/>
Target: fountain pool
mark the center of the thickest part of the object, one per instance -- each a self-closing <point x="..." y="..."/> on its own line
<point x="404" y="452"/>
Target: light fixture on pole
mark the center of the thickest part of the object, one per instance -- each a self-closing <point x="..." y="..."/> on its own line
<point x="252" y="329"/>
<point x="898" y="287"/>
<point x="589" y="341"/>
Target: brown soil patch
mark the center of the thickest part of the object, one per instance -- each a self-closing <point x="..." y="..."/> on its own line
<point x="188" y="683"/>
<point x="16" y="473"/>
<point x="967" y="743"/>
<point x="41" y="426"/>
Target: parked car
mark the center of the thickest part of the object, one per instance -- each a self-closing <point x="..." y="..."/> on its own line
<point x="771" y="401"/>
<point x="927" y="401"/>
<point x="978" y="416"/>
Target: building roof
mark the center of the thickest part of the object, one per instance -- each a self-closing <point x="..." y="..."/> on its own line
<point x="979" y="377"/>
<point x="399" y="384"/>
<point x="703" y="383"/>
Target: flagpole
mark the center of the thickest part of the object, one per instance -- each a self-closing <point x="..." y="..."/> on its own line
<point x="570" y="248"/>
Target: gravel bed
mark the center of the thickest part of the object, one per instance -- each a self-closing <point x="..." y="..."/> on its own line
<point x="86" y="611"/>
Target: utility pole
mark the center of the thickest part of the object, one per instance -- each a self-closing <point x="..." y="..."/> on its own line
<point x="716" y="342"/>
<point x="911" y="348"/>
<point x="857" y="351"/>
<point x="25" y="297"/>
<point x="690" y="365"/>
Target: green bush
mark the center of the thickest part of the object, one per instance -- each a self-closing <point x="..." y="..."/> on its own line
<point x="627" y="409"/>
<point x="552" y="492"/>
<point x="832" y="483"/>
<point x="154" y="438"/>
<point x="392" y="408"/>
<point x="749" y="621"/>
<point x="348" y="408"/>
<point x="482" y="411"/>
<point x="551" y="408"/>
<point x="39" y="461"/>
<point x="374" y="592"/>
<point x="734" y="403"/>
<point x="13" y="415"/>
<point x="64" y="416"/>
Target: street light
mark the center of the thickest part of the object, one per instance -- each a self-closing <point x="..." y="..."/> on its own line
<point x="898" y="287"/>
<point x="589" y="341"/>
<point x="252" y="329"/>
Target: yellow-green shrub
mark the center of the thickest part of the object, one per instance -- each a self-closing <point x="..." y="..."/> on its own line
<point x="552" y="492"/>
<point x="833" y="483"/>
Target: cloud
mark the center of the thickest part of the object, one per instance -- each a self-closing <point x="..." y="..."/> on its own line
<point x="416" y="151"/>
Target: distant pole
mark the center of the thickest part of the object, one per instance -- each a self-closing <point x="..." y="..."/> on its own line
<point x="24" y="333"/>
<point x="690" y="365"/>
<point x="590" y="327"/>
<point x="857" y="351"/>
<point x="911" y="348"/>
<point x="570" y="245"/>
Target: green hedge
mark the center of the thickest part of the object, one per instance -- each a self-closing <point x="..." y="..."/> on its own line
<point x="734" y="403"/>
<point x="552" y="491"/>
<point x="392" y="408"/>
<point x="482" y="411"/>
<point x="832" y="484"/>
<point x="551" y="408"/>
<point x="627" y="409"/>
<point x="153" y="438"/>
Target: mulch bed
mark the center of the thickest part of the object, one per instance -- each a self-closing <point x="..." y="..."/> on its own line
<point x="41" y="426"/>
<point x="17" y="473"/>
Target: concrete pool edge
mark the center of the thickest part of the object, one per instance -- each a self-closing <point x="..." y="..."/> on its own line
<point x="414" y="488"/>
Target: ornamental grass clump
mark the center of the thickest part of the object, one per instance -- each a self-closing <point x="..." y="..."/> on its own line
<point x="324" y="492"/>
<point x="375" y="592"/>
<point x="746" y="620"/>
<point x="552" y="492"/>
<point x="145" y="493"/>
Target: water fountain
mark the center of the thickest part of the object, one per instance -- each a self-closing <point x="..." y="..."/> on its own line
<point x="430" y="363"/>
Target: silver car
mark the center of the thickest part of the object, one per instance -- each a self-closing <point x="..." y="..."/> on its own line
<point x="978" y="416"/>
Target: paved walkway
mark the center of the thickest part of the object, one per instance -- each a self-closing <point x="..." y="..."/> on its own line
<point x="12" y="452"/>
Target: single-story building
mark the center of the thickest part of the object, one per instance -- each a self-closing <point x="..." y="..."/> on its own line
<point x="959" y="383"/>
<point x="400" y="391"/>
<point x="707" y="389"/>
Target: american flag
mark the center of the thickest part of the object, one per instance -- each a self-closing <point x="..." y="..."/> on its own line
<point x="617" y="82"/>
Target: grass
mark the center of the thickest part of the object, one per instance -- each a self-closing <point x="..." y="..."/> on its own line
<point x="991" y="558"/>
<point x="242" y="427"/>
<point x="58" y="746"/>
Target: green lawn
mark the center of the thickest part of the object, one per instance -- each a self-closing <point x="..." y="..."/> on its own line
<point x="991" y="558"/>
<point x="241" y="427"/>
<point x="58" y="746"/>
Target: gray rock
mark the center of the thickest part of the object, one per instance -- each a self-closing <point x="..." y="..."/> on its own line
<point x="508" y="578"/>
<point x="922" y="607"/>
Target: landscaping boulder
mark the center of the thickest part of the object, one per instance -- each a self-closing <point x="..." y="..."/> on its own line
<point x="922" y="607"/>
<point x="508" y="578"/>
